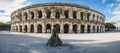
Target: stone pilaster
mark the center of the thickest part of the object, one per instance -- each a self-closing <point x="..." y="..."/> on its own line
<point x="85" y="29"/>
<point x="61" y="28"/>
<point x="52" y="14"/>
<point x="70" y="28"/>
<point x="35" y="14"/>
<point x="28" y="30"/>
<point x="43" y="28"/>
<point x="78" y="28"/>
<point x="91" y="29"/>
<point x="23" y="28"/>
<point x="78" y="15"/>
<point x="70" y="14"/>
<point x="35" y="27"/>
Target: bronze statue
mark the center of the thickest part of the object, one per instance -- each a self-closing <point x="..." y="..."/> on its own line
<point x="54" y="39"/>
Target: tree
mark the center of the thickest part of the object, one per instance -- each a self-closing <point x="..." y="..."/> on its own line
<point x="109" y="26"/>
<point x="4" y="26"/>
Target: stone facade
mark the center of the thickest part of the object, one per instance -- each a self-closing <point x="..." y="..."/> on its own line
<point x="70" y="18"/>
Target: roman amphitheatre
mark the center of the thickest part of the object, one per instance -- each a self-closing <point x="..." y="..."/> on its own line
<point x="70" y="18"/>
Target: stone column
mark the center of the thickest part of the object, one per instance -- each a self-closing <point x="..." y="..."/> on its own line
<point x="85" y="28"/>
<point x="62" y="14"/>
<point x="99" y="28"/>
<point x="35" y="14"/>
<point x="43" y="13"/>
<point x="70" y="28"/>
<point x="52" y="14"/>
<point x="43" y="27"/>
<point x="35" y="27"/>
<point x="28" y="15"/>
<point x="70" y="14"/>
<point x="23" y="16"/>
<point x="91" y="29"/>
<point x="95" y="28"/>
<point x="23" y="28"/>
<point x="78" y="15"/>
<point x="28" y="26"/>
<point x="61" y="28"/>
<point x="78" y="28"/>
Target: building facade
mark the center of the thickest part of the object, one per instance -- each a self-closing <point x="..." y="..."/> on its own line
<point x="70" y="18"/>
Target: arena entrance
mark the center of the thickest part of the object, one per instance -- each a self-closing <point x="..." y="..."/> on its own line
<point x="48" y="28"/>
<point x="66" y="28"/>
<point x="32" y="28"/>
<point x="75" y="28"/>
<point x="88" y="28"/>
<point x="82" y="28"/>
<point x="20" y="28"/>
<point x="39" y="28"/>
<point x="97" y="28"/>
<point x="25" y="28"/>
<point x="58" y="26"/>
<point x="93" y="29"/>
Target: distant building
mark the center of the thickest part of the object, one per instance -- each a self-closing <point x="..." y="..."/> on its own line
<point x="70" y="18"/>
<point x="117" y="25"/>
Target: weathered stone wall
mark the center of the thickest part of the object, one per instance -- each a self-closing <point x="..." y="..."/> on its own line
<point x="42" y="18"/>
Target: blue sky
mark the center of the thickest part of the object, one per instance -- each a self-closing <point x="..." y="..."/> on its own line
<point x="110" y="8"/>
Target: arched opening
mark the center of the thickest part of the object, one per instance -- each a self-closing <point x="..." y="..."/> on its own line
<point x="66" y="28"/>
<point x="82" y="15"/>
<point x="82" y="28"/>
<point x="74" y="15"/>
<point x="32" y="28"/>
<point x="66" y="13"/>
<point x="75" y="28"/>
<point x="32" y="15"/>
<point x="25" y="14"/>
<point x="88" y="28"/>
<point x="58" y="26"/>
<point x="39" y="28"/>
<point x="48" y="13"/>
<point x="93" y="29"/>
<point x="88" y="16"/>
<point x="20" y="28"/>
<point x="39" y="14"/>
<point x="25" y="28"/>
<point x="48" y="28"/>
<point x="97" y="28"/>
<point x="57" y="14"/>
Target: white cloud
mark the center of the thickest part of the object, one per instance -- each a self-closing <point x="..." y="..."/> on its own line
<point x="9" y="6"/>
<point x="118" y="0"/>
<point x="116" y="14"/>
<point x="103" y="1"/>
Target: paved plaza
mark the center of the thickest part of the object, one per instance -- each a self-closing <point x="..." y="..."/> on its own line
<point x="12" y="42"/>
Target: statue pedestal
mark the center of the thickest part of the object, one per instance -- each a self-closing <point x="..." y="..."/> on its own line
<point x="54" y="41"/>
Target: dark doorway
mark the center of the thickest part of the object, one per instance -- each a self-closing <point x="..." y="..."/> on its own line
<point x="48" y="28"/>
<point x="32" y="28"/>
<point x="66" y="28"/>
<point x="88" y="28"/>
<point x="39" y="28"/>
<point x="93" y="29"/>
<point x="20" y="28"/>
<point x="75" y="28"/>
<point x="82" y="28"/>
<point x="25" y="28"/>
